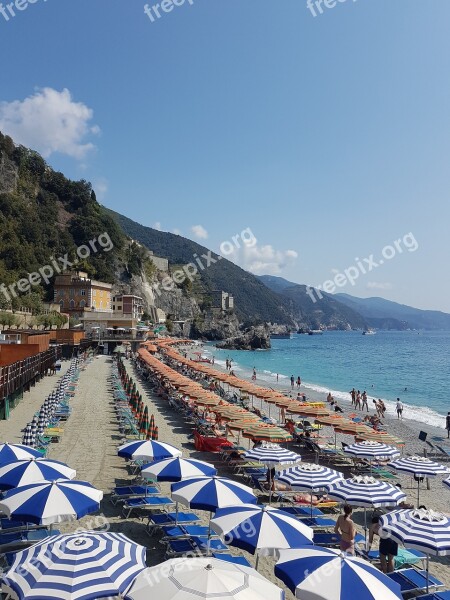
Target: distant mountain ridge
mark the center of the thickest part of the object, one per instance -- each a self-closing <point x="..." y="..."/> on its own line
<point x="376" y="312"/>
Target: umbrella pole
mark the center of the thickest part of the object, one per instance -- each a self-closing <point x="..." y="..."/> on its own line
<point x="176" y="514"/>
<point x="418" y="492"/>
<point x="428" y="573"/>
<point x="365" y="526"/>
<point x="257" y="560"/>
<point x="209" y="534"/>
<point x="311" y="497"/>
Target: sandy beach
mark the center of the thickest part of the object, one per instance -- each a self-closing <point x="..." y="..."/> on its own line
<point x="91" y="438"/>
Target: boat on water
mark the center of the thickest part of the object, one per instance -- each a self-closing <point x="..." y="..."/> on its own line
<point x="315" y="332"/>
<point x="369" y="332"/>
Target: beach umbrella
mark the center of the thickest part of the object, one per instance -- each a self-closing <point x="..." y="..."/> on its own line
<point x="327" y="574"/>
<point x="271" y="455"/>
<point x="80" y="566"/>
<point x="205" y="578"/>
<point x="263" y="432"/>
<point x="50" y="502"/>
<point x="210" y="493"/>
<point x="148" y="450"/>
<point x="27" y="439"/>
<point x="371" y="450"/>
<point x="366" y="492"/>
<point x="260" y="529"/>
<point x="177" y="469"/>
<point x="419" y="466"/>
<point x="13" y="452"/>
<point x="310" y="477"/>
<point x="32" y="470"/>
<point x="423" y="530"/>
<point x="155" y="433"/>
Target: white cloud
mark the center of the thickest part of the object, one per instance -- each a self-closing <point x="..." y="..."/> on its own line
<point x="199" y="232"/>
<point x="263" y="260"/>
<point x="157" y="226"/>
<point x="100" y="187"/>
<point x="375" y="285"/>
<point x="176" y="231"/>
<point x="50" y="121"/>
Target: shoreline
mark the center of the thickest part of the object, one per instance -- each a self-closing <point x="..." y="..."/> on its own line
<point x="407" y="429"/>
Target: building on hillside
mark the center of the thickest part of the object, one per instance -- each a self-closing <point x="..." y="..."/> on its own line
<point x="162" y="264"/>
<point x="222" y="300"/>
<point x="128" y="306"/>
<point x="76" y="293"/>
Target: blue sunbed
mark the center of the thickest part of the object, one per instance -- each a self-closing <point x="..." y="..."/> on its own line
<point x="437" y="596"/>
<point x="237" y="560"/>
<point x="319" y="523"/>
<point x="302" y="511"/>
<point x="182" y="531"/>
<point x="333" y="539"/>
<point x="123" y="493"/>
<point x="413" y="580"/>
<point x="159" y="520"/>
<point x="149" y="503"/>
<point x="194" y="544"/>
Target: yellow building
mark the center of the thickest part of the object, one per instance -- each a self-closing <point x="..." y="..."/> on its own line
<point x="76" y="293"/>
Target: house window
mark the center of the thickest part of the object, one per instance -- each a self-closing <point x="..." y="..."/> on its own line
<point x="82" y="304"/>
<point x="72" y="304"/>
<point x="61" y="303"/>
<point x="83" y="292"/>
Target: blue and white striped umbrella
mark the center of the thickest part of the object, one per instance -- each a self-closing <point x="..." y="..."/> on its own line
<point x="210" y="493"/>
<point x="148" y="450"/>
<point x="272" y="454"/>
<point x="80" y="566"/>
<point x="326" y="574"/>
<point x="370" y="449"/>
<point x="423" y="530"/>
<point x="33" y="470"/>
<point x="420" y="529"/>
<point x="366" y="492"/>
<point x="177" y="469"/>
<point x="419" y="466"/>
<point x="260" y="528"/>
<point x="50" y="502"/>
<point x="27" y="439"/>
<point x="309" y="476"/>
<point x="12" y="452"/>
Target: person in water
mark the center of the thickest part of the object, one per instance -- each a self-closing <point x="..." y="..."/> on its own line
<point x="347" y="530"/>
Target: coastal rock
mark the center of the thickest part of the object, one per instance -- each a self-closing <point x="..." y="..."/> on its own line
<point x="255" y="338"/>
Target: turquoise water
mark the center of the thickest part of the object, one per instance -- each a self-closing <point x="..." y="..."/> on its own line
<point x="384" y="364"/>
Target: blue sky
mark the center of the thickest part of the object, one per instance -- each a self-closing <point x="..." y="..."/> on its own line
<point x="328" y="136"/>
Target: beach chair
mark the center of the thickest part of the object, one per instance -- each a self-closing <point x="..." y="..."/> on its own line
<point x="319" y="523"/>
<point x="444" y="453"/>
<point x="172" y="532"/>
<point x="301" y="512"/>
<point x="156" y="521"/>
<point x="13" y="542"/>
<point x="142" y="504"/>
<point x="412" y="580"/>
<point x="332" y="540"/>
<point x="196" y="545"/>
<point x="445" y="595"/>
<point x="237" y="560"/>
<point x="121" y="494"/>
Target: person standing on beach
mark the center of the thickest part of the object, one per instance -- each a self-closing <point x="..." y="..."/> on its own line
<point x="347" y="530"/>
<point x="292" y="381"/>
<point x="254" y="374"/>
<point x="447" y="424"/>
<point x="358" y="400"/>
<point x="277" y="377"/>
<point x="399" y="407"/>
<point x="353" y="395"/>
<point x="299" y="381"/>
<point x="388" y="548"/>
<point x="364" y="401"/>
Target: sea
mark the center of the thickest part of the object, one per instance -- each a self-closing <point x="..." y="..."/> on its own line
<point x="411" y="365"/>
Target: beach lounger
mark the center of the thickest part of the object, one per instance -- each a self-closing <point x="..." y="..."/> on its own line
<point x="319" y="523"/>
<point x="437" y="596"/>
<point x="124" y="493"/>
<point x="151" y="503"/>
<point x="404" y="556"/>
<point x="302" y="512"/>
<point x="156" y="521"/>
<point x="333" y="540"/>
<point x="198" y="545"/>
<point x="237" y="560"/>
<point x="12" y="542"/>
<point x="184" y="531"/>
<point x="412" y="580"/>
